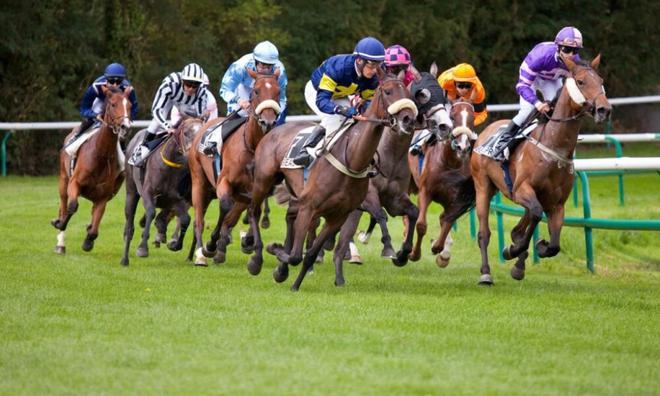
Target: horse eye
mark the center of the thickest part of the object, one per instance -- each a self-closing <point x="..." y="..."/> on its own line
<point x="256" y="92"/>
<point x="423" y="96"/>
<point x="580" y="82"/>
<point x="388" y="92"/>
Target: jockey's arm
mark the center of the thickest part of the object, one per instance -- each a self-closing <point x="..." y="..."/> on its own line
<point x="87" y="102"/>
<point x="525" y="81"/>
<point x="324" y="95"/>
<point x="134" y="104"/>
<point x="230" y="82"/>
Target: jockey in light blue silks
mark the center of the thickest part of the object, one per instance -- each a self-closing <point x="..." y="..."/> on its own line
<point x="93" y="101"/>
<point x="330" y="85"/>
<point x="543" y="70"/>
<point x="236" y="86"/>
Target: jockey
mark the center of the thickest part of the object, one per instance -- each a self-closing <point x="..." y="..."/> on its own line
<point x="182" y="90"/>
<point x="460" y="83"/>
<point x="330" y="84"/>
<point x="211" y="104"/>
<point x="92" y="104"/>
<point x="543" y="70"/>
<point x="236" y="85"/>
<point x="398" y="59"/>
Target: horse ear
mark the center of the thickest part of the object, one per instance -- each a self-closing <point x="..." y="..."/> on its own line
<point x="128" y="91"/>
<point x="380" y="73"/>
<point x="596" y="62"/>
<point x="434" y="70"/>
<point x="104" y="89"/>
<point x="251" y="72"/>
<point x="277" y="73"/>
<point x="416" y="75"/>
<point x="569" y="64"/>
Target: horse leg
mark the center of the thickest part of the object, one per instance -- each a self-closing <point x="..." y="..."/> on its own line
<point x="228" y="223"/>
<point x="200" y="201"/>
<point x="484" y="192"/>
<point x="294" y="257"/>
<point x="443" y="244"/>
<point x="412" y="213"/>
<point x="265" y="222"/>
<point x="329" y="229"/>
<point x="347" y="230"/>
<point x="149" y="214"/>
<point x="72" y="190"/>
<point x="423" y="202"/>
<point x="181" y="210"/>
<point x="160" y="222"/>
<point x="98" y="208"/>
<point x="364" y="236"/>
<point x="60" y="247"/>
<point x="555" y="221"/>
<point x="130" y="206"/>
<point x="526" y="197"/>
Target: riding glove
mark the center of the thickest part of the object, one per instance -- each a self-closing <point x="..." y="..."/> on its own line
<point x="347" y="112"/>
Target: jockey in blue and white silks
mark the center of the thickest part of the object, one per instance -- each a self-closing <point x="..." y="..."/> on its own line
<point x="236" y="85"/>
<point x="93" y="101"/>
<point x="332" y="82"/>
<point x="186" y="92"/>
<point x="543" y="69"/>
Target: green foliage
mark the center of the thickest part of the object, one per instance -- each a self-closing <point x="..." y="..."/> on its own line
<point x="51" y="51"/>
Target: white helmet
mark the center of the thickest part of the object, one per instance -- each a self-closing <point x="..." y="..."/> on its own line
<point x="193" y="72"/>
<point x="266" y="52"/>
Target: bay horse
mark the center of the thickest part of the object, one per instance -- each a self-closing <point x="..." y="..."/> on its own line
<point x="541" y="169"/>
<point x="388" y="190"/>
<point x="337" y="182"/>
<point x="445" y="178"/>
<point x="234" y="183"/>
<point x="160" y="182"/>
<point x="97" y="174"/>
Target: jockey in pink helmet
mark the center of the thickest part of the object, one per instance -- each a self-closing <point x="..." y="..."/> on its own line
<point x="397" y="58"/>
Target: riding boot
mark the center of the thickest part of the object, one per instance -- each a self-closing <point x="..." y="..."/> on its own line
<point x="416" y="147"/>
<point x="210" y="148"/>
<point x="506" y="144"/>
<point x="141" y="152"/>
<point x="84" y="125"/>
<point x="306" y="156"/>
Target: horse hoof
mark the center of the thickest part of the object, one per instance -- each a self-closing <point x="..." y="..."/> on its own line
<point x="142" y="252"/>
<point x="174" y="246"/>
<point x="254" y="266"/>
<point x="414" y="257"/>
<point x="247" y="247"/>
<point x="401" y="259"/>
<point x="517" y="273"/>
<point x="157" y="244"/>
<point x="265" y="223"/>
<point x="56" y="223"/>
<point x="208" y="253"/>
<point x="200" y="263"/>
<point x="280" y="275"/>
<point x="219" y="257"/>
<point x="295" y="288"/>
<point x="486" y="280"/>
<point x="340" y="282"/>
<point x="388" y="252"/>
<point x="506" y="253"/>
<point x="60" y="249"/>
<point x="441" y="261"/>
<point x="363" y="237"/>
<point x="272" y="248"/>
<point x="124" y="261"/>
<point x="319" y="259"/>
<point x="355" y="260"/>
<point x="87" y="245"/>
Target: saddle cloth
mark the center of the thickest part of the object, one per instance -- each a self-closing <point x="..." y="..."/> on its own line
<point x="220" y="132"/>
<point x="72" y="146"/>
<point x="301" y="138"/>
<point x="487" y="148"/>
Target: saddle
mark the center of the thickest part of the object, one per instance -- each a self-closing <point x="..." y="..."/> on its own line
<point x="221" y="132"/>
<point x="298" y="144"/>
<point x="487" y="148"/>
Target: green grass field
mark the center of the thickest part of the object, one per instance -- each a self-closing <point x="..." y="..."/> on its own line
<point x="82" y="324"/>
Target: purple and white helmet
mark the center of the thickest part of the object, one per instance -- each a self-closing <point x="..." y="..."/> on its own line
<point x="569" y="37"/>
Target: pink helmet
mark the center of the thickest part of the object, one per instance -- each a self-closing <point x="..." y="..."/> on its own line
<point x="397" y="55"/>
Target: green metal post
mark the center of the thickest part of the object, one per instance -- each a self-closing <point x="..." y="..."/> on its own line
<point x="618" y="152"/>
<point x="535" y="237"/>
<point x="473" y="224"/>
<point x="575" y="190"/>
<point x="500" y="228"/>
<point x="3" y="152"/>
<point x="586" y="204"/>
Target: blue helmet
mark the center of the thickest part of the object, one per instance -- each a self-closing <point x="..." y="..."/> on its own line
<point x="370" y="48"/>
<point x="266" y="52"/>
<point x="115" y="70"/>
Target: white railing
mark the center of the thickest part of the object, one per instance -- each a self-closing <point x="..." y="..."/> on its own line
<point x="620" y="163"/>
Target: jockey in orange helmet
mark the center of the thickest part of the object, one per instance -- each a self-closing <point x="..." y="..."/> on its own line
<point x="461" y="82"/>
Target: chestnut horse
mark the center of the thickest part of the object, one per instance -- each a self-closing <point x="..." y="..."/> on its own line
<point x="541" y="169"/>
<point x="160" y="179"/>
<point x="445" y="178"/>
<point x="234" y="183"/>
<point x="97" y="174"/>
<point x="337" y="182"/>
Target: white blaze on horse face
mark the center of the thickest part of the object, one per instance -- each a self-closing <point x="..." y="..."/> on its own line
<point x="127" y="122"/>
<point x="463" y="141"/>
<point x="268" y="85"/>
<point x="464" y="115"/>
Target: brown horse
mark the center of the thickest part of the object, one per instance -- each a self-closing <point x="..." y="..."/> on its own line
<point x="97" y="174"/>
<point x="445" y="178"/>
<point x="234" y="182"/>
<point x="160" y="180"/>
<point x="337" y="182"/>
<point x="541" y="169"/>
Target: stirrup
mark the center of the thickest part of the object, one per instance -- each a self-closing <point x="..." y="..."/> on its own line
<point x="210" y="149"/>
<point x="303" y="159"/>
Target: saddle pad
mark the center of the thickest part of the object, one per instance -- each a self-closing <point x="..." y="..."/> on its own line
<point x="220" y="132"/>
<point x="72" y="145"/>
<point x="121" y="160"/>
<point x="295" y="148"/>
<point x="487" y="148"/>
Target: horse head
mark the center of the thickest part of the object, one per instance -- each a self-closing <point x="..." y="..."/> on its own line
<point x="264" y="99"/>
<point x="462" y="136"/>
<point x="585" y="88"/>
<point x="186" y="132"/>
<point x="431" y="102"/>
<point x="391" y="104"/>
<point x="117" y="113"/>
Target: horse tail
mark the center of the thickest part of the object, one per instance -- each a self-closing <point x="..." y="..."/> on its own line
<point x="465" y="197"/>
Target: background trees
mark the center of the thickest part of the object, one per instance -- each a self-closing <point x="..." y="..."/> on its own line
<point x="50" y="51"/>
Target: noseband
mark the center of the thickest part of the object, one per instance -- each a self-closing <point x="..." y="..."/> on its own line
<point x="392" y="109"/>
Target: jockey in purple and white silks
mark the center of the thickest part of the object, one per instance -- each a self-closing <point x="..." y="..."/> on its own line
<point x="543" y="69"/>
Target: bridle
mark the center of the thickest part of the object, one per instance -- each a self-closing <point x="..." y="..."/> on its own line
<point x="392" y="109"/>
<point x="577" y="96"/>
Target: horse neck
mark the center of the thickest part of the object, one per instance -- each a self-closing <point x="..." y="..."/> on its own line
<point x="360" y="154"/>
<point x="562" y="136"/>
<point x="393" y="149"/>
<point x="106" y="140"/>
<point x="253" y="133"/>
<point x="450" y="157"/>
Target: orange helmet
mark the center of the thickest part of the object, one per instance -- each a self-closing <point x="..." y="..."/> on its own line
<point x="464" y="72"/>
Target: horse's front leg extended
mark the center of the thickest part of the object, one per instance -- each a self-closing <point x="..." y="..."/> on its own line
<point x="149" y="215"/>
<point x="526" y="197"/>
<point x="412" y="214"/>
<point x="330" y="228"/>
<point x="483" y="196"/>
<point x="181" y="210"/>
<point x="200" y="203"/>
<point x="423" y="202"/>
<point x="555" y="222"/>
<point x="98" y="208"/>
<point x="228" y="224"/>
<point x="130" y="206"/>
<point x="347" y="231"/>
<point x="294" y="257"/>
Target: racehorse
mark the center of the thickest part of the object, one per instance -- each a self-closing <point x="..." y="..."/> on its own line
<point x="158" y="183"/>
<point x="337" y="182"/>
<point x="388" y="190"/>
<point x="234" y="182"/>
<point x="445" y="178"/>
<point x="541" y="169"/>
<point x="97" y="174"/>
